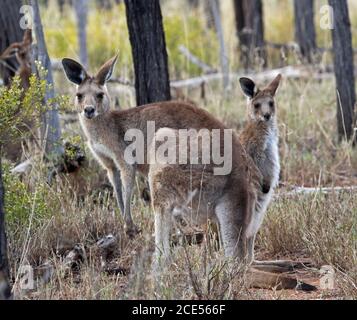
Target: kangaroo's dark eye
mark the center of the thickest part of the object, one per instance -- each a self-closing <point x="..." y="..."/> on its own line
<point x="271" y="104"/>
<point x="100" y="95"/>
<point x="257" y="105"/>
<point x="79" y="96"/>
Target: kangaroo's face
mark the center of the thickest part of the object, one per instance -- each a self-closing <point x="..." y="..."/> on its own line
<point x="92" y="98"/>
<point x="261" y="103"/>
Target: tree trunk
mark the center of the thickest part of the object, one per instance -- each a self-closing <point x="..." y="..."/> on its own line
<point x="344" y="68"/>
<point x="81" y="8"/>
<point x="147" y="40"/>
<point x="10" y="32"/>
<point x="305" y="35"/>
<point x="250" y="32"/>
<point x="194" y="3"/>
<point x="4" y="263"/>
<point x="51" y="130"/>
<point x="208" y="12"/>
<point x="222" y="48"/>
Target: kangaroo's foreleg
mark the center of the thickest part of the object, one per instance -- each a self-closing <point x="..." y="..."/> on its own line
<point x="122" y="182"/>
<point x="127" y="174"/>
<point x="231" y="232"/>
<point x="114" y="178"/>
<point x="113" y="174"/>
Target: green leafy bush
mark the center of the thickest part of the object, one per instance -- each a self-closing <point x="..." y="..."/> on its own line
<point x="17" y="106"/>
<point x="21" y="201"/>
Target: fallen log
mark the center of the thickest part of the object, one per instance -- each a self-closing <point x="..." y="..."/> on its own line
<point x="196" y="61"/>
<point x="290" y="72"/>
<point x="311" y="190"/>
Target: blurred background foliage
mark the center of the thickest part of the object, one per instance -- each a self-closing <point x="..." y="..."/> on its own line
<point x="184" y="25"/>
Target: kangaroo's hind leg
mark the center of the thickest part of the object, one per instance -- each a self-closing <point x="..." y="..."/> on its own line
<point x="231" y="230"/>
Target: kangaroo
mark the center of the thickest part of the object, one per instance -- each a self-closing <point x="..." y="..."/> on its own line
<point x="260" y="139"/>
<point x="105" y="132"/>
<point x="22" y="52"/>
<point x="193" y="191"/>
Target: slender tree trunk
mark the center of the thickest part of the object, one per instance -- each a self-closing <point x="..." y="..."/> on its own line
<point x="147" y="40"/>
<point x="305" y="34"/>
<point x="81" y="8"/>
<point x="10" y="32"/>
<point x="208" y="12"/>
<point x="344" y="68"/>
<point x="222" y="48"/>
<point x="5" y="291"/>
<point x="250" y="32"/>
<point x="51" y="129"/>
<point x="194" y="3"/>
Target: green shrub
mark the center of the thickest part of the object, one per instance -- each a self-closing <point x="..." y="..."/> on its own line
<point x="21" y="201"/>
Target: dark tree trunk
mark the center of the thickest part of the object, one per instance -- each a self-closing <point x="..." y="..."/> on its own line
<point x="305" y="34"/>
<point x="344" y="68"/>
<point x="51" y="129"/>
<point x="250" y="32"/>
<point x="147" y="40"/>
<point x="4" y="263"/>
<point x="10" y="32"/>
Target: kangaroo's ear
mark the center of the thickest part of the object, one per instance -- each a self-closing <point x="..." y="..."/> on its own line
<point x="273" y="86"/>
<point x="106" y="70"/>
<point x="75" y="72"/>
<point x="248" y="87"/>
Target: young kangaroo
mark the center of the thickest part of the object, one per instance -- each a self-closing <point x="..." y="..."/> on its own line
<point x="260" y="140"/>
<point x="105" y="131"/>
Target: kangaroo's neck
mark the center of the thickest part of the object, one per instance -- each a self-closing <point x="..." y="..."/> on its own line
<point x="260" y="140"/>
<point x="257" y="137"/>
<point x="94" y="129"/>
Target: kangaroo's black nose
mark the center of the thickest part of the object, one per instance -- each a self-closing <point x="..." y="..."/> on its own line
<point x="89" y="111"/>
<point x="267" y="116"/>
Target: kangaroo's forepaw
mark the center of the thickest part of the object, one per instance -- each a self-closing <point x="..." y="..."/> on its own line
<point x="265" y="188"/>
<point x="132" y="231"/>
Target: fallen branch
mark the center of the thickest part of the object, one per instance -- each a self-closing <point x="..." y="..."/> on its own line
<point x="106" y="246"/>
<point x="23" y="167"/>
<point x="294" y="46"/>
<point x="195" y="60"/>
<point x="312" y="190"/>
<point x="290" y="72"/>
<point x="122" y="81"/>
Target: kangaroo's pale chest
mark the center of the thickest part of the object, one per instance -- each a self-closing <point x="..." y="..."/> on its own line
<point x="96" y="144"/>
<point x="269" y="166"/>
<point x="100" y="149"/>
